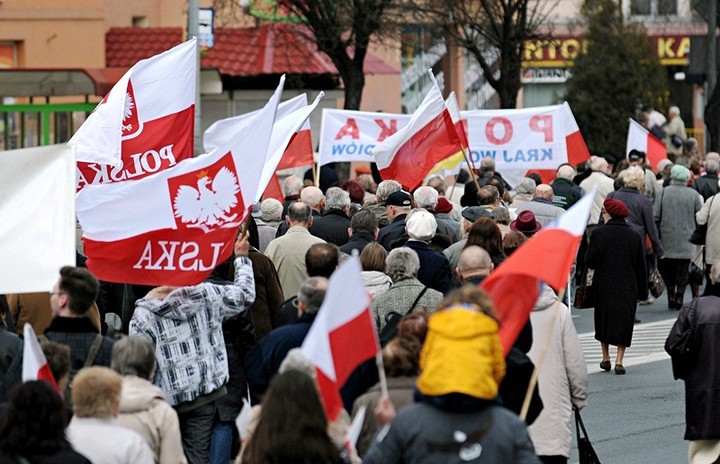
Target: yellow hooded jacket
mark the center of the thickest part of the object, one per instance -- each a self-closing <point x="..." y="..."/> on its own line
<point x="461" y="354"/>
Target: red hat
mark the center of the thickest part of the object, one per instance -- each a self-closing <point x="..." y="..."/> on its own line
<point x="615" y="208"/>
<point x="526" y="223"/>
<point x="443" y="205"/>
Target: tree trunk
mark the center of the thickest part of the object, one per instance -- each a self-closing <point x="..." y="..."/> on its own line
<point x="354" y="82"/>
<point x="712" y="120"/>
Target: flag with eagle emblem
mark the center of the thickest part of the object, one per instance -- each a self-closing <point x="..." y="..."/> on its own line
<point x="175" y="227"/>
<point x="145" y="124"/>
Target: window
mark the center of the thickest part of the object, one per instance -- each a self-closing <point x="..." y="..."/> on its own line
<point x="139" y="21"/>
<point x="653" y="8"/>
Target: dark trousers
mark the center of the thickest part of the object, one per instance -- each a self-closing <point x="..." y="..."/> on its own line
<point x="553" y="459"/>
<point x="675" y="273"/>
<point x="196" y="427"/>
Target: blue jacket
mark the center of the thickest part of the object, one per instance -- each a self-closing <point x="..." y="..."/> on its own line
<point x="434" y="267"/>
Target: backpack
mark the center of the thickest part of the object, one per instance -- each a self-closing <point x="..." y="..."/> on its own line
<point x="392" y="319"/>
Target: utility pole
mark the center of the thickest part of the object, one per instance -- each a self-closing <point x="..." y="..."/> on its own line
<point x="193" y="29"/>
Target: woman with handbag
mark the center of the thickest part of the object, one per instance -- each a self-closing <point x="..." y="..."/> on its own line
<point x="692" y="345"/>
<point x="709" y="216"/>
<point x="617" y="255"/>
<point x="675" y="209"/>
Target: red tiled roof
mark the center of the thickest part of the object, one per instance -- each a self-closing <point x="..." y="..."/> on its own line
<point x="125" y="46"/>
<point x="241" y="52"/>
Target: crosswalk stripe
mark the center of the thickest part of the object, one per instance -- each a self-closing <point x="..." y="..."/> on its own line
<point x="648" y="345"/>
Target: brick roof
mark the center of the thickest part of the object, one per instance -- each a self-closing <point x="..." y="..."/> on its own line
<point x="238" y="52"/>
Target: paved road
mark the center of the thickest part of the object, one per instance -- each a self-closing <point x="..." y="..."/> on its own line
<point x="637" y="418"/>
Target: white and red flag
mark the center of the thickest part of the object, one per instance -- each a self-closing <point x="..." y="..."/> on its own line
<point x="144" y="124"/>
<point x="429" y="137"/>
<point x="453" y="164"/>
<point x="35" y="365"/>
<point x="175" y="227"/>
<point x="299" y="151"/>
<point x="546" y="257"/>
<point x="640" y="139"/>
<point x="343" y="334"/>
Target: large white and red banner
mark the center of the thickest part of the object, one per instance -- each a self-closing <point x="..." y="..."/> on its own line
<point x="144" y="124"/>
<point x="523" y="140"/>
<point x="515" y="286"/>
<point x="343" y="335"/>
<point x="641" y="139"/>
<point x="37" y="233"/>
<point x="175" y="227"/>
<point x="348" y="135"/>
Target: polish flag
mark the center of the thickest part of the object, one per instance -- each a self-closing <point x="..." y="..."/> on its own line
<point x="640" y="139"/>
<point x="175" y="227"/>
<point x="452" y="165"/>
<point x="145" y="124"/>
<point x="299" y="152"/>
<point x="429" y="137"/>
<point x="577" y="150"/>
<point x="35" y="365"/>
<point x="343" y="334"/>
<point x="515" y="285"/>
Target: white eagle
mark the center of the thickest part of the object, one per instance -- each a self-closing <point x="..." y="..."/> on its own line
<point x="129" y="105"/>
<point x="208" y="205"/>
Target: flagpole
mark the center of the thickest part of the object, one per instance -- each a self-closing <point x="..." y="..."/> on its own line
<point x="316" y="175"/>
<point x="470" y="166"/>
<point x="381" y="372"/>
<point x="193" y="31"/>
<point x="541" y="360"/>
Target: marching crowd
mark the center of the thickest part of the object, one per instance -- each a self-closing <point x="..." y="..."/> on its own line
<point x="161" y="374"/>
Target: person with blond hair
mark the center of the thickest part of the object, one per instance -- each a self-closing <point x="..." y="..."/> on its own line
<point x="94" y="430"/>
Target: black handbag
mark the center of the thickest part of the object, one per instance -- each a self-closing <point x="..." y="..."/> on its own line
<point x="656" y="284"/>
<point x="584" y="294"/>
<point x="682" y="352"/>
<point x="586" y="452"/>
<point x="699" y="235"/>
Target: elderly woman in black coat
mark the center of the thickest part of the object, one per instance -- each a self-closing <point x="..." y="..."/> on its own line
<point x="617" y="255"/>
<point x="700" y="372"/>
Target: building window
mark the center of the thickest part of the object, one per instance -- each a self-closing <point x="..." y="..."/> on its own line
<point x="139" y="21"/>
<point x="653" y="7"/>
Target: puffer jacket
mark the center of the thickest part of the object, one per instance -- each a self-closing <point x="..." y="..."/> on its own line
<point x="461" y="354"/>
<point x="143" y="409"/>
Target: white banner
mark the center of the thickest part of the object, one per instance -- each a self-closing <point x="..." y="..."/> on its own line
<point x="348" y="135"/>
<point x="37" y="234"/>
<point x="520" y="139"/>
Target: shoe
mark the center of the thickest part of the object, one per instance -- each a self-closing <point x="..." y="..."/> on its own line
<point x="619" y="369"/>
<point x="637" y="321"/>
<point x="605" y="365"/>
<point x="649" y="301"/>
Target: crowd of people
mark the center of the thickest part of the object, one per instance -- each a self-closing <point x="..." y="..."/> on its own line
<point x="161" y="374"/>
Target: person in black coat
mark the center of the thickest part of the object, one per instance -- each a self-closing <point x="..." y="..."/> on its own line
<point x="434" y="267"/>
<point x="700" y="373"/>
<point x="617" y="255"/>
<point x="363" y="230"/>
<point x="398" y="204"/>
<point x="334" y="224"/>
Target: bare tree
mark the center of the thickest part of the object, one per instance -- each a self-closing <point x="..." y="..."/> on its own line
<point x="493" y="32"/>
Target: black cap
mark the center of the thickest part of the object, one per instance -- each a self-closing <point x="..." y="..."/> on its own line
<point x="399" y="198"/>
<point x="636" y="155"/>
<point x="473" y="213"/>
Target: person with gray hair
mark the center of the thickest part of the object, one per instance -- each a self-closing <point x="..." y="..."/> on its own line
<point x="524" y="191"/>
<point x="474" y="264"/>
<point x="542" y="206"/>
<point x="312" y="197"/>
<point x="288" y="252"/>
<point x="406" y="293"/>
<point x="291" y="186"/>
<point x="263" y="360"/>
<point x="267" y="224"/>
<point x="600" y="180"/>
<point x="427" y="197"/>
<point x="707" y="184"/>
<point x="333" y="225"/>
<point x="565" y="192"/>
<point x="675" y="135"/>
<point x="383" y="191"/>
<point x="143" y="407"/>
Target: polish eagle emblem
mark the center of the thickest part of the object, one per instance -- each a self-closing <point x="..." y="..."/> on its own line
<point x="207" y="206"/>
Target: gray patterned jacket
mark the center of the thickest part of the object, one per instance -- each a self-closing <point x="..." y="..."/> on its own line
<point x="186" y="328"/>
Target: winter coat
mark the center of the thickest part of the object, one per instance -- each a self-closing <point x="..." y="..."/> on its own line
<point x="604" y="185"/>
<point x="563" y="377"/>
<point x="185" y="325"/>
<point x="565" y="193"/>
<point x="675" y="209"/>
<point x="376" y="282"/>
<point x="288" y="255"/>
<point x="392" y="231"/>
<point x="425" y="434"/>
<point x="434" y="267"/>
<point x="543" y="209"/>
<point x="710" y="215"/>
<point x="143" y="409"/>
<point x="617" y="255"/>
<point x="332" y="227"/>
<point x="400" y="390"/>
<point x="640" y="218"/>
<point x="106" y="441"/>
<point x="358" y="241"/>
<point x="399" y="297"/>
<point x="707" y="185"/>
<point x="461" y="354"/>
<point x="10" y="346"/>
<point x="268" y="294"/>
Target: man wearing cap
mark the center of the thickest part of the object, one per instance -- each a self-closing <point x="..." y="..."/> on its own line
<point x="674" y="212"/>
<point x="383" y="191"/>
<point x="637" y="158"/>
<point x="434" y="267"/>
<point x="542" y="206"/>
<point x="617" y="254"/>
<point x="397" y="205"/>
<point x="526" y="224"/>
